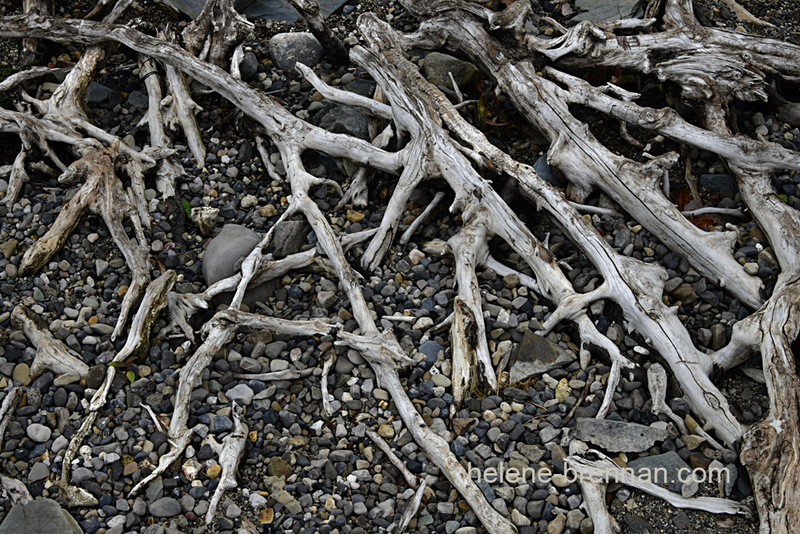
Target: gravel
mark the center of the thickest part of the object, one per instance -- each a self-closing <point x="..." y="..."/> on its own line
<point x="303" y="471"/>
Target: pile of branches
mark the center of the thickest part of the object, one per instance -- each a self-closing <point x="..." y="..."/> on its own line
<point x="713" y="70"/>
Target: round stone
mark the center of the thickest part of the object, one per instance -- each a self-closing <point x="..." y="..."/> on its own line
<point x="165" y="507"/>
<point x="22" y="374"/>
<point x="441" y="381"/>
<point x="38" y="433"/>
<point x="214" y="471"/>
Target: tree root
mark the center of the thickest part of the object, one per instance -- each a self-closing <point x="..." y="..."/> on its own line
<point x="51" y="354"/>
<point x="230" y="453"/>
<point x="102" y="194"/>
<point x="442" y="145"/>
<point x="10" y="402"/>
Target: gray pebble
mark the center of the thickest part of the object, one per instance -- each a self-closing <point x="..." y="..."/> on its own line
<point x="165" y="507"/>
<point x="38" y="433"/>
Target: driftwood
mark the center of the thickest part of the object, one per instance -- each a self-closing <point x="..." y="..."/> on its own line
<point x="51" y="354"/>
<point x="10" y="402"/>
<point x="17" y="491"/>
<point x="410" y="511"/>
<point x="230" y="453"/>
<point x="216" y="29"/>
<point x="29" y="46"/>
<point x="712" y="67"/>
<point x="605" y="470"/>
<point x="309" y="9"/>
<point x="378" y="441"/>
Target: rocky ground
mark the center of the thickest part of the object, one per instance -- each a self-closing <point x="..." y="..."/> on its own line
<point x="304" y="472"/>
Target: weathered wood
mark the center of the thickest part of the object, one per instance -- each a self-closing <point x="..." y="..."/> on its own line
<point x="217" y="29"/>
<point x="410" y="511"/>
<point x="102" y="194"/>
<point x="230" y="453"/>
<point x="29" y="45"/>
<point x="634" y="284"/>
<point x="275" y="119"/>
<point x="218" y="332"/>
<point x="326" y="397"/>
<point x="585" y="162"/>
<point x="657" y="384"/>
<point x="463" y="346"/>
<point x="10" y="402"/>
<point x="181" y="112"/>
<point x="605" y="470"/>
<point x="441" y="145"/>
<point x="168" y="171"/>
<point x="385" y="356"/>
<point x="17" y="491"/>
<point x="411" y="480"/>
<point x="73" y="495"/>
<point x="51" y="353"/>
<point x="309" y="9"/>
<point x="138" y="340"/>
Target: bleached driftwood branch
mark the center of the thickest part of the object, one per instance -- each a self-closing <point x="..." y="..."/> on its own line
<point x="102" y="193"/>
<point x="51" y="353"/>
<point x="230" y="453"/>
<point x="10" y="402"/>
<point x="605" y="470"/>
<point x="442" y="145"/>
<point x="411" y="480"/>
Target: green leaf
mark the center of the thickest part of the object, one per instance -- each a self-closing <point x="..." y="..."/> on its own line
<point x="187" y="208"/>
<point x="131" y="376"/>
<point x="116" y="364"/>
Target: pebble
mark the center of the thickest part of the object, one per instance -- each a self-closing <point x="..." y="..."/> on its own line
<point x="248" y="201"/>
<point x="59" y="444"/>
<point x="38" y="433"/>
<point x="38" y="472"/>
<point x="557" y="525"/>
<point x="386" y="431"/>
<point x="240" y="394"/>
<point x="214" y="471"/>
<point x="441" y="381"/>
<point x="313" y="459"/>
<point x="96" y="376"/>
<point x="165" y="507"/>
<point x="22" y="374"/>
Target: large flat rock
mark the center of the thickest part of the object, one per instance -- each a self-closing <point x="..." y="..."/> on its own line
<point x="618" y="436"/>
<point x="262" y="9"/>
<point x="607" y="10"/>
<point x="222" y="259"/>
<point x="42" y="516"/>
<point x="537" y="355"/>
